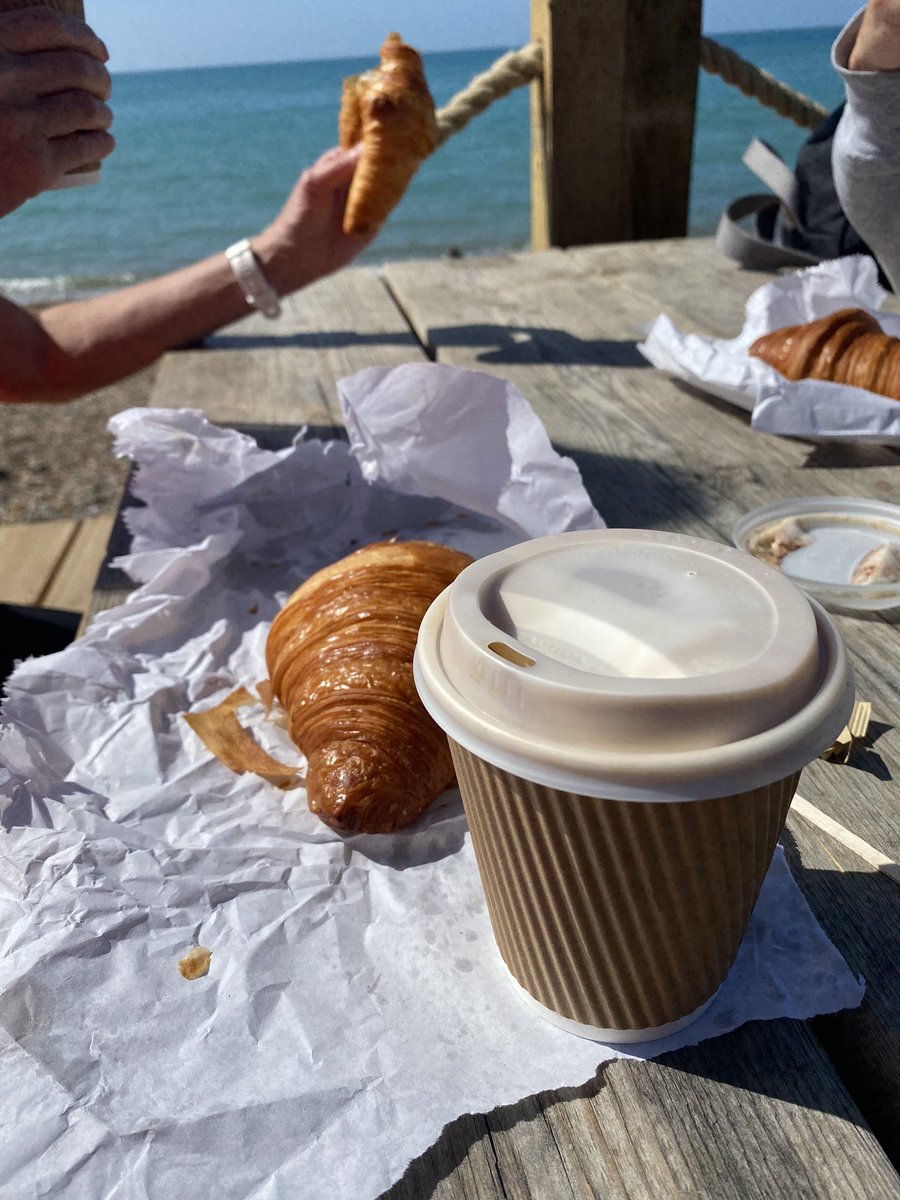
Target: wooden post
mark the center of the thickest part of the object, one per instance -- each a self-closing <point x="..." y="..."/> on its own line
<point x="612" y="120"/>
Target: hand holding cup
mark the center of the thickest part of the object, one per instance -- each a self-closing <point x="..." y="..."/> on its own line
<point x="54" y="85"/>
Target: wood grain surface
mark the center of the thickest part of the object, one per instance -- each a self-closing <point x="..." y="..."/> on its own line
<point x="775" y="1109"/>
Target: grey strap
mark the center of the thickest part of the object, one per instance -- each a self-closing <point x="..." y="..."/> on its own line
<point x="770" y="168"/>
<point x="753" y="247"/>
<point x="753" y="243"/>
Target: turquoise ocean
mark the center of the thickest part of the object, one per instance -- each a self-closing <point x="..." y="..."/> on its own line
<point x="206" y="156"/>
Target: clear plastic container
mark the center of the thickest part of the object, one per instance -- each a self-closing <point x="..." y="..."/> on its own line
<point x="840" y="530"/>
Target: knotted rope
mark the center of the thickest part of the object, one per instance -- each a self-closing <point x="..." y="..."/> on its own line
<point x="520" y="67"/>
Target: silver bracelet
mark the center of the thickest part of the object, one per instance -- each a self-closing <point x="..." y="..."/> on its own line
<point x="257" y="290"/>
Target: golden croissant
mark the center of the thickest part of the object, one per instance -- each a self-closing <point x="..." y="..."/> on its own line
<point x="390" y="110"/>
<point x="339" y="656"/>
<point x="846" y="347"/>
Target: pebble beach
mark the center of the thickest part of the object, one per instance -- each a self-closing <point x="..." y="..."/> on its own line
<point x="56" y="460"/>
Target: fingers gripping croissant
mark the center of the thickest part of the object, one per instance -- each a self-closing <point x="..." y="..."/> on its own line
<point x="845" y="347"/>
<point x="340" y="660"/>
<point x="391" y="111"/>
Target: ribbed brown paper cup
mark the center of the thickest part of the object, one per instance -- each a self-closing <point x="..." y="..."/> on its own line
<point x="629" y="712"/>
<point x="616" y="915"/>
<point x="90" y="172"/>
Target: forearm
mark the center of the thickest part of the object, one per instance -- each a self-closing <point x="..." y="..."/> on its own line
<point x="92" y="343"/>
<point x="866" y="152"/>
<point x="78" y="347"/>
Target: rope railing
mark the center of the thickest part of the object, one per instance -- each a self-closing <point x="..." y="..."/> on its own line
<point x="521" y="67"/>
<point x="760" y="85"/>
<point x="512" y="71"/>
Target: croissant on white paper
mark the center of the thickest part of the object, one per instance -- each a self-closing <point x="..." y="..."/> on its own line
<point x="847" y="346"/>
<point x="339" y="656"/>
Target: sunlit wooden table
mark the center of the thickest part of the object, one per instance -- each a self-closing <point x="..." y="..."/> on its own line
<point x="777" y="1109"/>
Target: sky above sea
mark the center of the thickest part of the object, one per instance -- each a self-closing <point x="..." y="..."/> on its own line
<point x="162" y="34"/>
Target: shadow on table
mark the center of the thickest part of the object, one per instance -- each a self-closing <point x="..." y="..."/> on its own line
<point x="841" y="455"/>
<point x="860" y="912"/>
<point x="494" y="343"/>
<point x="633" y="493"/>
<point x="330" y="339"/>
<point x="864" y="756"/>
<point x="524" y="344"/>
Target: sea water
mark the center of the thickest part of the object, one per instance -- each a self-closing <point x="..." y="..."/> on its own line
<point x="206" y="156"/>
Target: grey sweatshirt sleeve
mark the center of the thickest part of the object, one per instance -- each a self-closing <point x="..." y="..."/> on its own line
<point x="866" y="154"/>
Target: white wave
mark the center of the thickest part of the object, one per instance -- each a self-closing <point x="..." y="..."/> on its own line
<point x="53" y="289"/>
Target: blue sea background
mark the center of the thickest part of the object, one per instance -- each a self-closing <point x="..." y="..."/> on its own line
<point x="206" y="156"/>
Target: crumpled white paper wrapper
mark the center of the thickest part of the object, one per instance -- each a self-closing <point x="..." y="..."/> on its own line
<point x="355" y="1002"/>
<point x="808" y="408"/>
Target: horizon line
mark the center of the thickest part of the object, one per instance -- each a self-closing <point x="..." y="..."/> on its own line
<point x="283" y="62"/>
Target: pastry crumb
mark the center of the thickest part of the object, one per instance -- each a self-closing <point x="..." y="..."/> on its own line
<point x="195" y="963"/>
<point x="775" y="542"/>
<point x="881" y="565"/>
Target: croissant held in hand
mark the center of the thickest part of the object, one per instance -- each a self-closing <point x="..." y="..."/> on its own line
<point x="391" y="111"/>
<point x="340" y="660"/>
<point x="846" y="347"/>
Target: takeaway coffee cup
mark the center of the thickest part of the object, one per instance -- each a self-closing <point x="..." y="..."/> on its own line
<point x="90" y="172"/>
<point x="629" y="712"/>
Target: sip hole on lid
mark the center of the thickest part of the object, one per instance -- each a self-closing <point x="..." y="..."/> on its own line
<point x="511" y="654"/>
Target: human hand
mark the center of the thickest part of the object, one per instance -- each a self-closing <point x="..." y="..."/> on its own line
<point x="53" y="89"/>
<point x="877" y="46"/>
<point x="306" y="241"/>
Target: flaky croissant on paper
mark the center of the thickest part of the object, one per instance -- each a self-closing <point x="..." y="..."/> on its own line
<point x="339" y="656"/>
<point x="845" y="347"/>
<point x="391" y="111"/>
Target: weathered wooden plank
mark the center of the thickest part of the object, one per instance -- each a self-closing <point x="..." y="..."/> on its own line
<point x="625" y="175"/>
<point x="684" y="275"/>
<point x="460" y="1166"/>
<point x="510" y="315"/>
<point x="268" y="386"/>
<point x="499" y="306"/>
<point x="29" y="557"/>
<point x="859" y="908"/>
<point x="759" y="1114"/>
<point x="73" y="581"/>
<point x="338" y="325"/>
<point x="783" y="1122"/>
<point x="568" y="338"/>
<point x="688" y="276"/>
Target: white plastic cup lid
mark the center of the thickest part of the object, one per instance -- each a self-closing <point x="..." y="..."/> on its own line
<point x="633" y="664"/>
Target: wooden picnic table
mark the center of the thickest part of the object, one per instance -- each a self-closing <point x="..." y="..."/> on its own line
<point x="776" y="1109"/>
